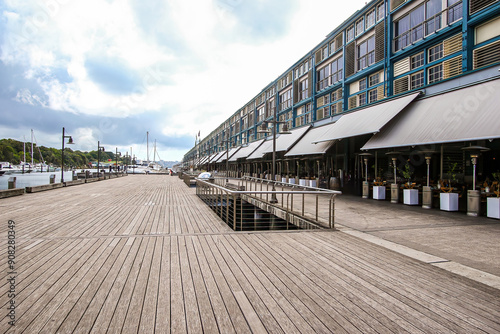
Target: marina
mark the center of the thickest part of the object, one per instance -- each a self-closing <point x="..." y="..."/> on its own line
<point x="33" y="179"/>
<point x="144" y="254"/>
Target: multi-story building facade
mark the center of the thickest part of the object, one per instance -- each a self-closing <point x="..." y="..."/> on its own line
<point x="383" y="53"/>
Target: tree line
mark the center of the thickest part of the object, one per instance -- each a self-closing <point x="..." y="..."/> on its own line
<point x="13" y="151"/>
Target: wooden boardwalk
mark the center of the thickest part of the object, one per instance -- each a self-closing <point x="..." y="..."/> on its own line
<point x="142" y="254"/>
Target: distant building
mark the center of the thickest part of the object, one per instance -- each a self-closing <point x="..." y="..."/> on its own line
<point x="406" y="76"/>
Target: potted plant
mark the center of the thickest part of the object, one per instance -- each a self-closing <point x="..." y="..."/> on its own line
<point x="379" y="189"/>
<point x="313" y="182"/>
<point x="493" y="203"/>
<point x="448" y="200"/>
<point x="379" y="186"/>
<point x="410" y="195"/>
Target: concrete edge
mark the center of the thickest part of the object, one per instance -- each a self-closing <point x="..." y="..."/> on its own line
<point x="11" y="192"/>
<point x="454" y="267"/>
<point x="44" y="187"/>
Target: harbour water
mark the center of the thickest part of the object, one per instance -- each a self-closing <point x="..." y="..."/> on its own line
<point x="33" y="179"/>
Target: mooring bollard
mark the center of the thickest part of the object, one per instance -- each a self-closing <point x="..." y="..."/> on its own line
<point x="12" y="183"/>
<point x="52" y="179"/>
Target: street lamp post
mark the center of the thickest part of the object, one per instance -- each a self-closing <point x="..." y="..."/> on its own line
<point x="70" y="141"/>
<point x="264" y="129"/>
<point x="116" y="157"/>
<point x="99" y="148"/>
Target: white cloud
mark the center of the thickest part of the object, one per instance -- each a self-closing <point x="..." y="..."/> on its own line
<point x="196" y="65"/>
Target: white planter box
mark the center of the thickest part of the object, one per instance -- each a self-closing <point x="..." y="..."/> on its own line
<point x="448" y="201"/>
<point x="493" y="207"/>
<point x="291" y="180"/>
<point x="302" y="182"/>
<point x="378" y="192"/>
<point x="283" y="179"/>
<point x="410" y="196"/>
<point x="312" y="183"/>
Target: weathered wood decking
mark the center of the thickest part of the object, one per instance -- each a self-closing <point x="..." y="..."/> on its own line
<point x="143" y="254"/>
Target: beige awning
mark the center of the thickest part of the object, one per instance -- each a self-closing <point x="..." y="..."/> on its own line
<point x="366" y="121"/>
<point x="305" y="145"/>
<point x="259" y="153"/>
<point x="218" y="156"/>
<point x="285" y="141"/>
<point x="466" y="114"/>
<point x="231" y="152"/>
<point x="245" y="151"/>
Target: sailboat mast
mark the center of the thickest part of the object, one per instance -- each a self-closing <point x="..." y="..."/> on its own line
<point x="154" y="156"/>
<point x="31" y="147"/>
<point x="147" y="146"/>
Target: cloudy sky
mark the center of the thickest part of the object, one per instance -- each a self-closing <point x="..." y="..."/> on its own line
<point x="111" y="70"/>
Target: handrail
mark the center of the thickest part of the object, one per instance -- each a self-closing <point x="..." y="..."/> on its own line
<point x="220" y="197"/>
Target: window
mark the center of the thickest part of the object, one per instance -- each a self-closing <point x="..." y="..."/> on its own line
<point x="350" y="33"/>
<point x="435" y="73"/>
<point x="322" y="113"/>
<point x="303" y="115"/>
<point x="325" y="52"/>
<point x="420" y="22"/>
<point x="323" y="77"/>
<point x="362" y="99"/>
<point x="271" y="107"/>
<point x="303" y="89"/>
<point x="410" y="28"/>
<point x="360" y="27"/>
<point x="417" y="60"/>
<point x="372" y="96"/>
<point x="417" y="80"/>
<point x="435" y="53"/>
<point x="433" y="14"/>
<point x="362" y="84"/>
<point x="370" y="18"/>
<point x="373" y="79"/>
<point x="337" y="67"/>
<point x="366" y="53"/>
<point x="380" y="11"/>
<point x="285" y="100"/>
<point x="332" y="46"/>
<point x="454" y="10"/>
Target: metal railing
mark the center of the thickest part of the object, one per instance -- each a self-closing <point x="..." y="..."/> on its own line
<point x="298" y="206"/>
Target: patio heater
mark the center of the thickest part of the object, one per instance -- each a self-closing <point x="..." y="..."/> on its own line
<point x="366" y="186"/>
<point x="427" y="190"/>
<point x="474" y="196"/>
<point x="394" y="186"/>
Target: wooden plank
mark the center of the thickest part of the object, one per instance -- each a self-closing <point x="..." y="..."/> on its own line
<point x="121" y="273"/>
<point x="177" y="307"/>
<point x="138" y="301"/>
<point x="193" y="318"/>
<point x="207" y="316"/>
<point x="163" y="321"/>
<point x="225" y="287"/>
<point x="122" y="307"/>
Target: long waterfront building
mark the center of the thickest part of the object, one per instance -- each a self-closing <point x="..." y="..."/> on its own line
<point x="407" y="76"/>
